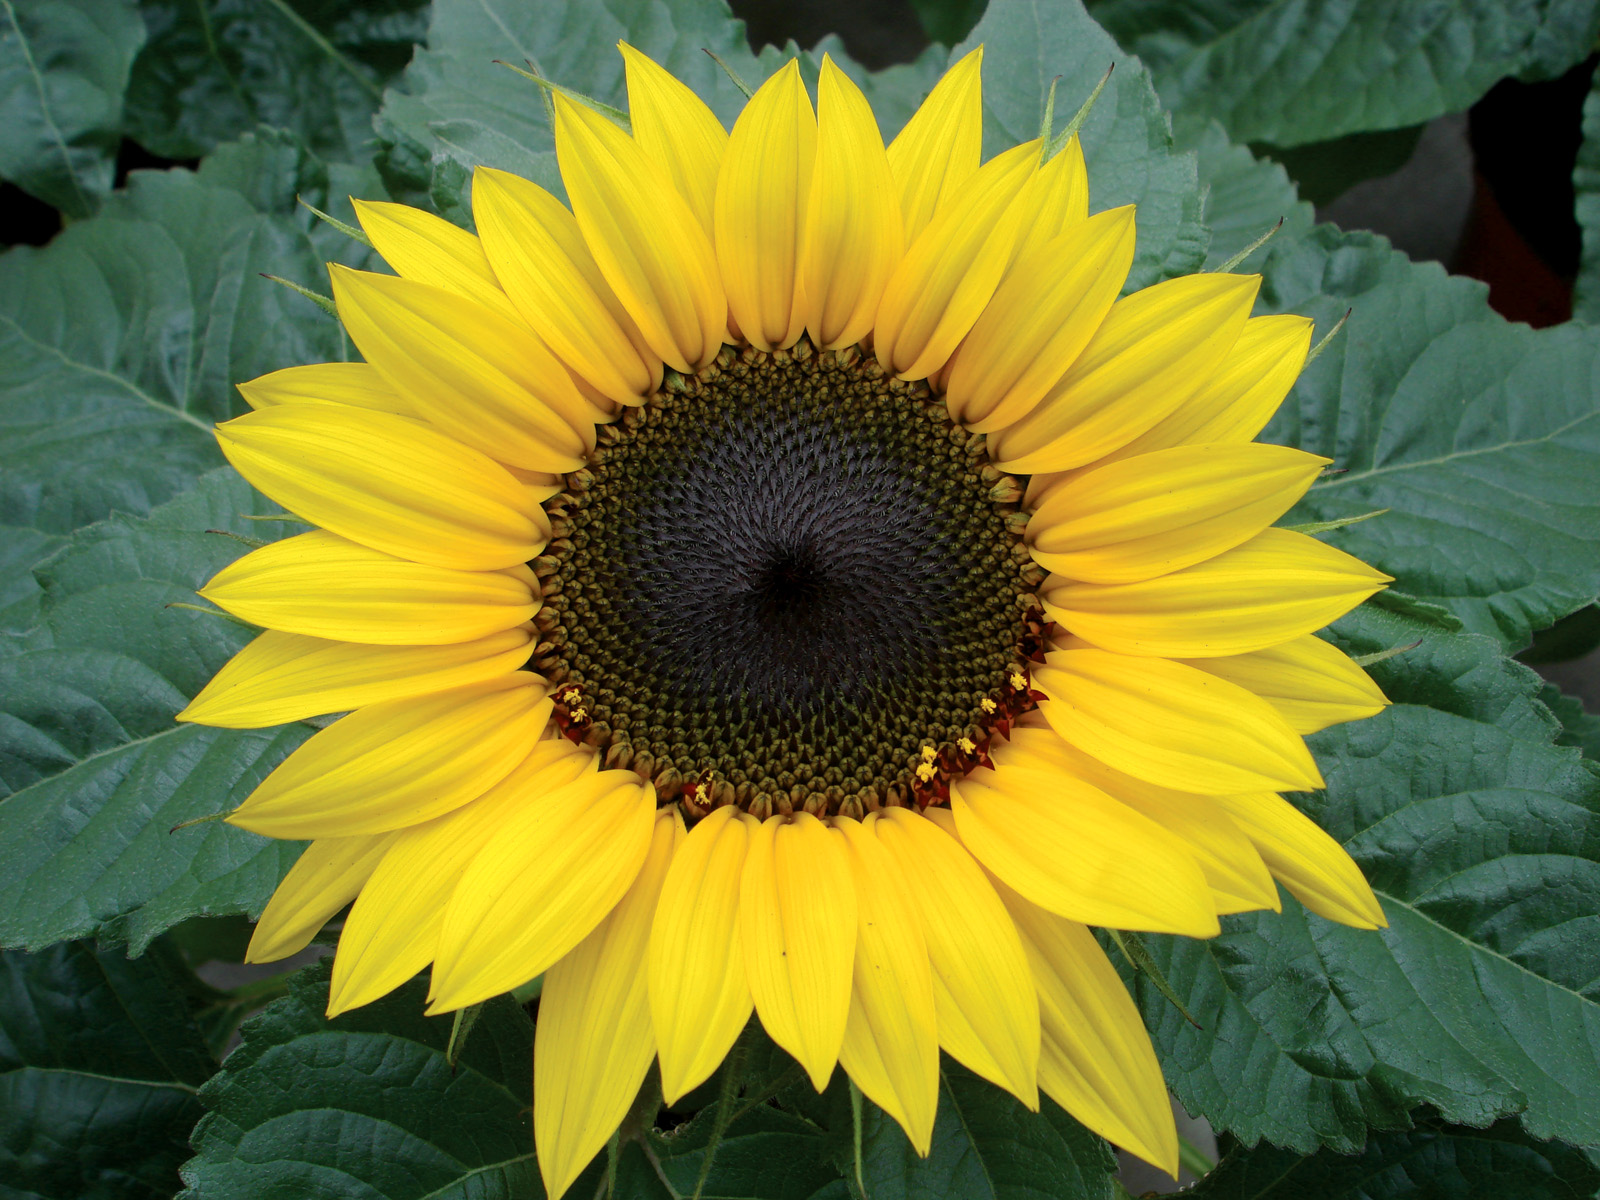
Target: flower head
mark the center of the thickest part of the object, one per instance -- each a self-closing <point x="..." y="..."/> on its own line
<point x="789" y="580"/>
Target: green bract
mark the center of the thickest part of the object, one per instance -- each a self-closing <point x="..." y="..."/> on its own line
<point x="1460" y="1047"/>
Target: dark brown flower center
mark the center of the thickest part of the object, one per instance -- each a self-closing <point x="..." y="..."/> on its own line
<point x="789" y="582"/>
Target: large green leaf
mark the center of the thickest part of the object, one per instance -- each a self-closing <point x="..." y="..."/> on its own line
<point x="214" y="69"/>
<point x="986" y="1146"/>
<point x="1482" y="998"/>
<point x="1481" y="437"/>
<point x="1127" y="142"/>
<point x="1435" y="1161"/>
<point x="368" y="1105"/>
<point x="1295" y="71"/>
<point x="120" y="343"/>
<point x="63" y="68"/>
<point x="100" y="1070"/>
<point x="96" y="772"/>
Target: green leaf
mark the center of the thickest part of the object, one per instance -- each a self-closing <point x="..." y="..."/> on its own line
<point x="1481" y="437"/>
<point x="120" y="343"/>
<point x="455" y="109"/>
<point x="1434" y="1161"/>
<point x="369" y="1105"/>
<point x="1482" y="841"/>
<point x="98" y="773"/>
<point x="1244" y="195"/>
<point x="1586" y="186"/>
<point x="767" y="1154"/>
<point x="1579" y="727"/>
<point x="214" y="69"/>
<point x="63" y="68"/>
<point x="100" y="1069"/>
<point x="1127" y="142"/>
<point x="1296" y="71"/>
<point x="986" y="1146"/>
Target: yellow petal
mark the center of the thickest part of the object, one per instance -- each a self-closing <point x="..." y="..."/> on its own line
<point x="323" y="880"/>
<point x="891" y="1044"/>
<point x="1072" y="849"/>
<point x="399" y="762"/>
<point x="1141" y="517"/>
<point x="852" y="239"/>
<point x="421" y="246"/>
<point x="937" y="153"/>
<point x="545" y="266"/>
<point x="356" y="384"/>
<point x="676" y="129"/>
<point x="1276" y="586"/>
<point x="468" y="370"/>
<point x="1039" y="321"/>
<point x="392" y="931"/>
<point x="283" y="677"/>
<point x="541" y="885"/>
<point x="1308" y="862"/>
<point x="762" y="191"/>
<point x="1097" y="1061"/>
<point x="1238" y="879"/>
<point x="1153" y="351"/>
<point x="324" y="586"/>
<point x="1310" y="683"/>
<point x="1057" y="199"/>
<point x="988" y="1015"/>
<point x="699" y="997"/>
<point x="797" y="926"/>
<point x="1172" y="725"/>
<point x="642" y="233"/>
<point x="952" y="269"/>
<point x="1239" y="398"/>
<point x="593" y="1043"/>
<point x="388" y="482"/>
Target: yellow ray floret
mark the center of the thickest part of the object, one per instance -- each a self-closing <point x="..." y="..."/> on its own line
<point x="676" y="129"/>
<point x="852" y="239"/>
<point x="542" y="261"/>
<point x="390" y="483"/>
<point x="891" y="1044"/>
<point x="323" y="880"/>
<point x="429" y="249"/>
<point x="951" y="270"/>
<point x="988" y="1015"/>
<point x="1313" y="866"/>
<point x="593" y="1043"/>
<point x="699" y="996"/>
<point x="356" y="384"/>
<point x="762" y="193"/>
<point x="1274" y="587"/>
<point x="647" y="242"/>
<point x="399" y="762"/>
<point x="471" y="372"/>
<point x="937" y="153"/>
<point x="1171" y="724"/>
<point x="324" y="586"/>
<point x="1039" y="321"/>
<point x="797" y="925"/>
<point x="1238" y="879"/>
<point x="1074" y="850"/>
<point x="1153" y="351"/>
<point x="549" y="876"/>
<point x="1137" y="518"/>
<point x="392" y="931"/>
<point x="1311" y="683"/>
<point x="283" y="677"/>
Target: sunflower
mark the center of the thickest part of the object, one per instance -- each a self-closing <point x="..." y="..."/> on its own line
<point x="788" y="580"/>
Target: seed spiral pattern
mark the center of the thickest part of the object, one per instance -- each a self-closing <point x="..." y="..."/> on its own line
<point x="790" y="582"/>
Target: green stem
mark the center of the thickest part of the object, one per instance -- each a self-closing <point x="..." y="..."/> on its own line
<point x="732" y="1071"/>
